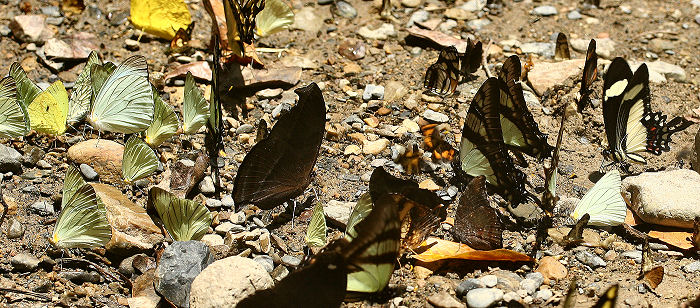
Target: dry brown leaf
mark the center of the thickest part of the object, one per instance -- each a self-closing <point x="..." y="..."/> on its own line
<point x="437" y="37"/>
<point x="435" y="249"/>
<point x="674" y="237"/>
<point x="200" y="70"/>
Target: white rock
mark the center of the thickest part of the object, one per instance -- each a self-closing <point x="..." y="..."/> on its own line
<point x="307" y="19"/>
<point x="473" y="5"/>
<point x="670" y="71"/>
<point x="604" y="47"/>
<point x="226" y="282"/>
<point x="381" y="33"/>
<point x="213" y="240"/>
<point x="374" y="147"/>
<point x="489" y="281"/>
<point x="483" y="297"/>
<point x="338" y="212"/>
<point x="30" y="28"/>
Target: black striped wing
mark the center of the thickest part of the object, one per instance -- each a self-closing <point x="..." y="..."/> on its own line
<point x="608" y="299"/>
<point x="442" y="77"/>
<point x="470" y="61"/>
<point x="278" y="168"/>
<point x="520" y="131"/>
<point x="244" y="16"/>
<point x="590" y="73"/>
<point x="476" y="223"/>
<point x="482" y="151"/>
<point x="659" y="131"/>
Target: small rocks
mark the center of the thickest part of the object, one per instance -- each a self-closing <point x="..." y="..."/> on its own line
<point x="10" y="160"/>
<point x="411" y="3"/>
<point x="344" y="9"/>
<point x="545" y="75"/>
<point x="290" y="260"/>
<point x="434" y="116"/>
<point x="352" y="49"/>
<point x="265" y="261"/>
<point x="551" y="268"/>
<point x="444" y="300"/>
<point x="307" y="19"/>
<point x="544" y="10"/>
<point x="574" y="15"/>
<point x="24" y="262"/>
<point x="605" y="47"/>
<point x="15" y="229"/>
<point x="483" y="297"/>
<point x="226" y="282"/>
<point x="88" y="172"/>
<point x="543" y="49"/>
<point x="635" y="255"/>
<point x="468" y="285"/>
<point x="665" y="198"/>
<point x="338" y="212"/>
<point x="544" y="295"/>
<point x="529" y="285"/>
<point x="590" y="259"/>
<point x="692" y="267"/>
<point x="373" y="92"/>
<point x="382" y="33"/>
<point x="457" y="13"/>
<point x="179" y="264"/>
<point x="206" y="186"/>
<point x="474" y="5"/>
<point x="418" y="16"/>
<point x="478" y="24"/>
<point x="489" y="281"/>
<point x="659" y="45"/>
<point x="30" y="28"/>
<point x="43" y="208"/>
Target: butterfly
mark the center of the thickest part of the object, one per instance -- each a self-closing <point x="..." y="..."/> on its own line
<point x="606" y="300"/>
<point x="278" y="168"/>
<point x="240" y="25"/>
<point x="470" y="60"/>
<point x="590" y="73"/>
<point x="182" y="37"/>
<point x="14" y="120"/>
<point x="696" y="234"/>
<point x="520" y="131"/>
<point x="361" y="263"/>
<point x="79" y="101"/>
<point x="561" y="49"/>
<point x="27" y="90"/>
<point x="482" y="151"/>
<point x="275" y="17"/>
<point x="435" y="143"/>
<point x="160" y="17"/>
<point x="139" y="160"/>
<point x="420" y="210"/>
<point x="650" y="274"/>
<point x="195" y="110"/>
<point x="48" y="112"/>
<point x="442" y="77"/>
<point x="410" y="158"/>
<point x="603" y="202"/>
<point x="575" y="235"/>
<point x="82" y="222"/>
<point x="165" y="122"/>
<point x="124" y="102"/>
<point x="213" y="140"/>
<point x="185" y="220"/>
<point x="476" y="223"/>
<point x="316" y="232"/>
<point x="549" y="196"/>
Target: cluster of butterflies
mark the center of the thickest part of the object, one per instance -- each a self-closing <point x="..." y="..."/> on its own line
<point x="444" y="75"/>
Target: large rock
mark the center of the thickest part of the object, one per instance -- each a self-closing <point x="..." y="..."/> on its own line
<point x="226" y="282"/>
<point x="179" y="265"/>
<point x="132" y="229"/>
<point x="546" y="75"/>
<point x="105" y="156"/>
<point x="30" y="28"/>
<point x="307" y="19"/>
<point x="604" y="48"/>
<point x="667" y="198"/>
<point x="10" y="160"/>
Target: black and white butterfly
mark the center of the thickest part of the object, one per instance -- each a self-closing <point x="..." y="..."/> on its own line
<point x="444" y="75"/>
<point x="630" y="125"/>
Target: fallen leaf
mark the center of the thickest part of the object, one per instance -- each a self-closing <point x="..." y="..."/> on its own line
<point x="435" y="38"/>
<point x="435" y="249"/>
<point x="280" y="77"/>
<point x="673" y="236"/>
<point x="199" y="69"/>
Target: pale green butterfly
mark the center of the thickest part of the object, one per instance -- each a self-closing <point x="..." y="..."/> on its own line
<point x="14" y="121"/>
<point x="603" y="202"/>
<point x="275" y="17"/>
<point x="27" y="90"/>
<point x="165" y="122"/>
<point x="362" y="208"/>
<point x="195" y="109"/>
<point x="316" y="232"/>
<point x="139" y="160"/>
<point x="83" y="220"/>
<point x="79" y="101"/>
<point x="185" y="220"/>
<point x="124" y="102"/>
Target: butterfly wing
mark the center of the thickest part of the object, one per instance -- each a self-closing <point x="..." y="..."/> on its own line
<point x="561" y="49"/>
<point x="14" y="120"/>
<point x="27" y="90"/>
<point x="603" y="202"/>
<point x="471" y="59"/>
<point x="139" y="160"/>
<point x="165" y="122"/>
<point x="49" y="110"/>
<point x="279" y="167"/>
<point x="195" y="109"/>
<point x="79" y="101"/>
<point x="124" y="103"/>
<point x="590" y="73"/>
<point x="160" y="17"/>
<point x="275" y="17"/>
<point x="362" y="208"/>
<point x="71" y="183"/>
<point x="659" y="132"/>
<point x="82" y="222"/>
<point x="476" y="222"/>
<point x="316" y="232"/>
<point x="185" y="220"/>
<point x="608" y="299"/>
<point x="442" y="77"/>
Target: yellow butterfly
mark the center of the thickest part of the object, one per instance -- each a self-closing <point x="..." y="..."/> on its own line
<point x="161" y="18"/>
<point x="49" y="110"/>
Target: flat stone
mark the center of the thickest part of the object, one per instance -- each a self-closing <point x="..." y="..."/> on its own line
<point x="266" y="262"/>
<point x="605" y="47"/>
<point x="434" y="116"/>
<point x="474" y="5"/>
<point x="24" y="262"/>
<point x="478" y="24"/>
<point x="489" y="281"/>
<point x="590" y="259"/>
<point x="10" y="160"/>
<point x="444" y="300"/>
<point x="457" y="13"/>
<point x="666" y="198"/>
<point x="373" y="92"/>
<point x="375" y="147"/>
<point x="659" y="45"/>
<point x="551" y="268"/>
<point x="418" y="16"/>
<point x="382" y="33"/>
<point x="574" y="15"/>
<point x="15" y="229"/>
<point x="43" y="208"/>
<point x="307" y="19"/>
<point x="30" y="28"/>
<point x="105" y="156"/>
<point x="468" y="285"/>
<point x="411" y="3"/>
<point x="338" y="212"/>
<point x="546" y="75"/>
<point x="670" y="71"/>
<point x="692" y="267"/>
<point x="544" y="295"/>
<point x="483" y="297"/>
<point x="213" y="240"/>
<point x="179" y="264"/>
<point x="545" y="10"/>
<point x="635" y="255"/>
<point x="226" y="282"/>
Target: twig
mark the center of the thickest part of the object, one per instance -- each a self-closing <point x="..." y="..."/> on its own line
<point x="484" y="60"/>
<point x="30" y="293"/>
<point x="100" y="269"/>
<point x="4" y="207"/>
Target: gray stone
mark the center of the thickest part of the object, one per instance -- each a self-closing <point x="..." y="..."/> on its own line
<point x="226" y="282"/>
<point x="43" y="208"/>
<point x="206" y="186"/>
<point x="266" y="262"/>
<point x="670" y="71"/>
<point x="126" y="267"/>
<point x="279" y="273"/>
<point x="345" y="9"/>
<point x="42" y="164"/>
<point x="590" y="259"/>
<point x="489" y="281"/>
<point x="30" y="28"/>
<point x="605" y="47"/>
<point x="692" y="267"/>
<point x="635" y="255"/>
<point x="213" y="203"/>
<point x="15" y="229"/>
<point x="665" y="198"/>
<point x="179" y="265"/>
<point x="659" y="45"/>
<point x="10" y="160"/>
<point x="545" y="10"/>
<point x="444" y="300"/>
<point x="483" y="297"/>
<point x="5" y="30"/>
<point x="373" y="92"/>
<point x="542" y="49"/>
<point x="52" y="11"/>
<point x="245" y="129"/>
<point x="32" y="155"/>
<point x="537" y="277"/>
<point x="417" y="17"/>
<point x="88" y="172"/>
<point x="290" y="260"/>
<point x="529" y="285"/>
<point x="434" y="116"/>
<point x="338" y="212"/>
<point x="544" y="295"/>
<point x="478" y="24"/>
<point x="468" y="285"/>
<point x="24" y="262"/>
<point x="382" y="33"/>
<point x="574" y="15"/>
<point x="447" y="25"/>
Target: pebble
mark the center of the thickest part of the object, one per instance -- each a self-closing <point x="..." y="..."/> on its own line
<point x="668" y="70"/>
<point x="104" y="155"/>
<point x="290" y="260"/>
<point x="338" y="212"/>
<point x="546" y="75"/>
<point x="544" y="295"/>
<point x="5" y="30"/>
<point x="665" y="198"/>
<point x="539" y="48"/>
<point x="537" y="277"/>
<point x="418" y="16"/>
<point x="697" y="19"/>
<point x="468" y="285"/>
<point x="325" y="2"/>
<point x="434" y="116"/>
<point x="307" y="19"/>
<point x="659" y="45"/>
<point x="529" y="285"/>
<point x="279" y="273"/>
<point x="30" y="28"/>
<point x="483" y="297"/>
<point x="635" y="255"/>
<point x="132" y="45"/>
<point x="474" y="5"/>
<point x="79" y="277"/>
<point x="280" y="109"/>
<point x="551" y="268"/>
<point x="179" y="264"/>
<point x="43" y="208"/>
<point x="227" y="201"/>
<point x="207" y="185"/>
<point x="344" y="9"/>
<point x="375" y="147"/>
<point x="489" y="281"/>
<point x="213" y="203"/>
<point x="88" y="172"/>
<point x="545" y="10"/>
<point x="444" y="300"/>
<point x="266" y="262"/>
<point x="411" y="3"/>
<point x="226" y="282"/>
<point x="245" y="129"/>
<point x="590" y="259"/>
<point x="10" y="160"/>
<point x="373" y="92"/>
<point x="43" y="164"/>
<point x="610" y="255"/>
<point x="224" y="227"/>
<point x="24" y="262"/>
<point x="478" y="24"/>
<point x="574" y="15"/>
<point x="692" y="267"/>
<point x="605" y="47"/>
<point x="382" y="33"/>
<point x="457" y="13"/>
<point x="213" y="240"/>
<point x="15" y="229"/>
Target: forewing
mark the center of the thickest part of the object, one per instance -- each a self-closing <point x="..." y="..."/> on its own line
<point x="14" y="119"/>
<point x="476" y="223"/>
<point x="195" y="109"/>
<point x="27" y="90"/>
<point x="165" y="122"/>
<point x="79" y="101"/>
<point x="82" y="222"/>
<point x="603" y="202"/>
<point x="139" y="160"/>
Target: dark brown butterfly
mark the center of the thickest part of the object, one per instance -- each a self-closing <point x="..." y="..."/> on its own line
<point x="561" y="49"/>
<point x="590" y="73"/>
<point x="420" y="210"/>
<point x="575" y="236"/>
<point x="470" y="61"/>
<point x="262" y="131"/>
<point x="212" y="140"/>
<point x="549" y="196"/>
<point x="476" y="223"/>
<point x="696" y="234"/>
<point x="322" y="282"/>
<point x="432" y="138"/>
<point x="442" y="77"/>
<point x="182" y="37"/>
<point x="650" y="274"/>
<point x="278" y="168"/>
